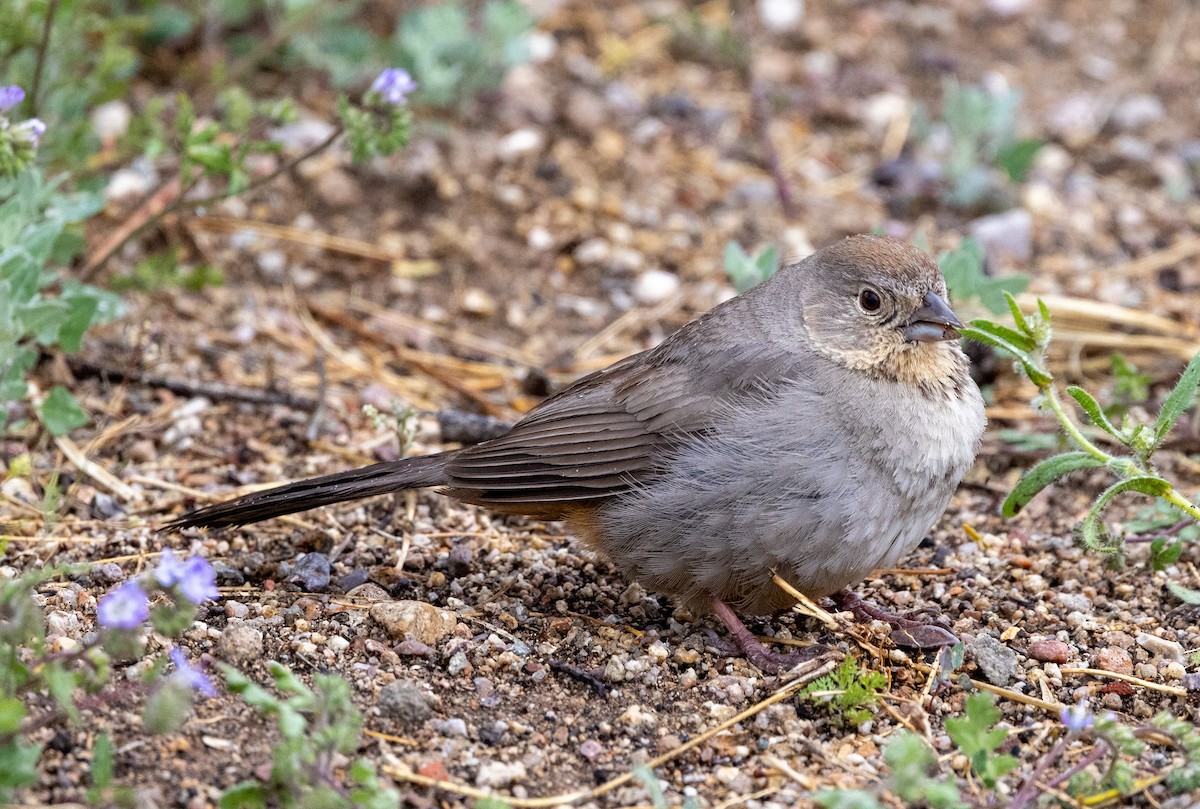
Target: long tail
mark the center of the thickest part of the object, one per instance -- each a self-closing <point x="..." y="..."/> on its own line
<point x="353" y="484"/>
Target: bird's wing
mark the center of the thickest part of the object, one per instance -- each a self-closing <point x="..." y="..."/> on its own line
<point x="612" y="428"/>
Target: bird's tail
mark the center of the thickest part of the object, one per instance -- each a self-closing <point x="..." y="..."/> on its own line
<point x="353" y="484"/>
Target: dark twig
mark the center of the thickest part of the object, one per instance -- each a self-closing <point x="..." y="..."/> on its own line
<point x="1098" y="752"/>
<point x="762" y="117"/>
<point x="598" y="685"/>
<point x="1163" y="533"/>
<point x="1029" y="789"/>
<point x="216" y="391"/>
<point x="43" y="46"/>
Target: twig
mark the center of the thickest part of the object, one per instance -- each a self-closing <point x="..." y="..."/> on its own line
<point x="1029" y="788"/>
<point x="43" y="46"/>
<point x="217" y="391"/>
<point x="761" y="105"/>
<point x="1173" y="690"/>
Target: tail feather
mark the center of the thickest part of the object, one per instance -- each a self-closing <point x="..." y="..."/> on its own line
<point x="353" y="484"/>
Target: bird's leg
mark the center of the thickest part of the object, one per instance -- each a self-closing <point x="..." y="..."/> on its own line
<point x="905" y="631"/>
<point x="768" y="660"/>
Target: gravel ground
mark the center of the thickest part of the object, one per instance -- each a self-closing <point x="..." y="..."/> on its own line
<point x="577" y="216"/>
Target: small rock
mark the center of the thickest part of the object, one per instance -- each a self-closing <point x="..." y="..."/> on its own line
<point x="240" y="643"/>
<point x="520" y="143"/>
<point x="236" y="609"/>
<point x="128" y="183"/>
<point x="1049" y="650"/>
<point x="593" y="251"/>
<point x="406" y="701"/>
<point x="228" y="576"/>
<point x="104" y="506"/>
<point x="1114" y="659"/>
<point x="415" y="620"/>
<point x="338" y="189"/>
<point x="461" y="560"/>
<point x="111" y="120"/>
<point x="655" y="286"/>
<point x="1074" y="601"/>
<point x="1137" y="112"/>
<point x="996" y="661"/>
<point x="1007" y="9"/>
<point x="585" y="110"/>
<point x="106" y="574"/>
<point x="476" y="301"/>
<point x="1076" y="120"/>
<point x="499" y="773"/>
<point x="355" y="578"/>
<point x="311" y="573"/>
<point x="591" y="750"/>
<point x="337" y="644"/>
<point x="1005" y="234"/>
<point x="453" y="726"/>
<point x="780" y="16"/>
<point x="1161" y="647"/>
<point x="1174" y="671"/>
<point x="304" y="134"/>
<point x="61" y="622"/>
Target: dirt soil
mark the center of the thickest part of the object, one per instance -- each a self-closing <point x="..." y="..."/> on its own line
<point x="575" y="216"/>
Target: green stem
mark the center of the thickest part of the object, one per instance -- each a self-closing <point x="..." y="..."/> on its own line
<point x="1182" y="503"/>
<point x="1069" y="426"/>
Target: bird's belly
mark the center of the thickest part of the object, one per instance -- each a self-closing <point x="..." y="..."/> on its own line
<point x="823" y="509"/>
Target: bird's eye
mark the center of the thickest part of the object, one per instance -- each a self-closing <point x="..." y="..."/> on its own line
<point x="869" y="300"/>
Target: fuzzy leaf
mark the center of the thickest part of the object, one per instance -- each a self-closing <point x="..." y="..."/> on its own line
<point x="1017" y="314"/>
<point x="1094" y="411"/>
<point x="1016" y="338"/>
<point x="1090" y="530"/>
<point x="1042" y="475"/>
<point x="1178" y="401"/>
<point x="1184" y="594"/>
<point x="1029" y="365"/>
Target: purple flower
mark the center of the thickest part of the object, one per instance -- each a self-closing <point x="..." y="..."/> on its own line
<point x="394" y="85"/>
<point x="195" y="578"/>
<point x="169" y="570"/>
<point x="188" y="675"/>
<point x="124" y="608"/>
<point x="10" y="96"/>
<point x="1077" y="717"/>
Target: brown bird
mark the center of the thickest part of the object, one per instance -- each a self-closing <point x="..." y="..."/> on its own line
<point x="816" y="425"/>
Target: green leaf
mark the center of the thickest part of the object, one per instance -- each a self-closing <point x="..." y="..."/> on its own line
<point x="167" y="708"/>
<point x="1016" y="158"/>
<point x="1091" y="530"/>
<point x="1164" y="552"/>
<point x="61" y="413"/>
<point x="1042" y="475"/>
<point x="81" y="314"/>
<point x="1178" y="401"/>
<point x="1184" y="594"/>
<point x="1017" y="315"/>
<point x="102" y="761"/>
<point x="61" y="683"/>
<point x="12" y="714"/>
<point x="244" y="795"/>
<point x="1094" y="411"/>
<point x="1011" y="336"/>
<point x="1029" y="365"/>
<point x="976" y="738"/>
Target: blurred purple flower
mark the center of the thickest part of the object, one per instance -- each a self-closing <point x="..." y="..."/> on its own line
<point x="1077" y="717"/>
<point x="169" y="570"/>
<point x="199" y="580"/>
<point x="124" y="608"/>
<point x="186" y="674"/>
<point x="394" y="85"/>
<point x="195" y="578"/>
<point x="10" y="96"/>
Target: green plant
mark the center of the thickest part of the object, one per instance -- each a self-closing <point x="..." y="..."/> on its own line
<point x="1133" y="467"/>
<point x="977" y="738"/>
<point x="746" y="271"/>
<point x="31" y="670"/>
<point x="315" y="724"/>
<point x="983" y="142"/>
<point x="848" y="693"/>
<point x="455" y="56"/>
<point x="966" y="280"/>
<point x="41" y="308"/>
<point x="911" y="762"/>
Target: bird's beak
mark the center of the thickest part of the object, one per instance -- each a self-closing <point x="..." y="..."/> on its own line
<point x="933" y="322"/>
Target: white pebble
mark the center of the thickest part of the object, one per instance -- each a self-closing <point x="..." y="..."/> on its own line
<point x="520" y="143"/>
<point x="655" y="286"/>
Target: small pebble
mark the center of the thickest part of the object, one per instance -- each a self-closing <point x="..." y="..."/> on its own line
<point x="1161" y="647"/>
<point x="655" y="286"/>
<point x="1114" y="659"/>
<point x="499" y="774"/>
<point x="406" y="701"/>
<point x="414" y="620"/>
<point x="520" y="143"/>
<point x="240" y="643"/>
<point x="1049" y="651"/>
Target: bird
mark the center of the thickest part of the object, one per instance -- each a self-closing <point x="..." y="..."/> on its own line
<point x="814" y="426"/>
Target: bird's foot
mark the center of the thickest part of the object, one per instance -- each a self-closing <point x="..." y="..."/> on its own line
<point x="906" y="631"/>
<point x="769" y="661"/>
